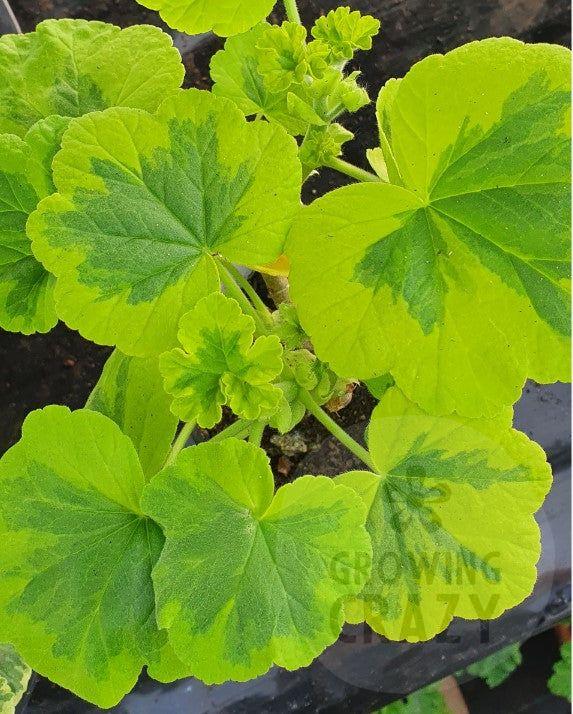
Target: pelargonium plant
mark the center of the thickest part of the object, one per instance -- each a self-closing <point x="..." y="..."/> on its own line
<point x="128" y="209"/>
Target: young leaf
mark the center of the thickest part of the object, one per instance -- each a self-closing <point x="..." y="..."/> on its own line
<point x="76" y="597"/>
<point x="456" y="280"/>
<point x="225" y="17"/>
<point x="71" y="67"/>
<point x="560" y="681"/>
<point x="321" y="144"/>
<point x="14" y="678"/>
<point x="220" y="364"/>
<point x="236" y="76"/>
<point x="248" y="579"/>
<point x="285" y="58"/>
<point x="497" y="667"/>
<point x="344" y="32"/>
<point x="130" y="392"/>
<point x="287" y="326"/>
<point x="26" y="288"/>
<point x="450" y="513"/>
<point x="144" y="204"/>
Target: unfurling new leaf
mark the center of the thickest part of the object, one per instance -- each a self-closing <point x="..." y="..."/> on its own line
<point x="220" y="364"/>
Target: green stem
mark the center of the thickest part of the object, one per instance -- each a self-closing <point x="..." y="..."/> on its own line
<point x="350" y="170"/>
<point x="252" y="294"/>
<point x="179" y="443"/>
<point x="257" y="430"/>
<point x="292" y="11"/>
<point x="235" y="292"/>
<point x="336" y="430"/>
<point x="239" y="429"/>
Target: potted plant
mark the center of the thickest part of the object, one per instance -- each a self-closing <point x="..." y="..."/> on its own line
<point x="438" y="279"/>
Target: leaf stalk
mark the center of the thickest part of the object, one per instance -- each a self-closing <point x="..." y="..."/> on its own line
<point x="335" y="429"/>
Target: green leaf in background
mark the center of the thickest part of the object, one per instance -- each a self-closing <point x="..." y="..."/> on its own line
<point x="71" y="67"/>
<point x="76" y="597"/>
<point x="450" y="514"/>
<point x="130" y="392"/>
<point x="236" y="76"/>
<point x="26" y="288"/>
<point x="344" y="31"/>
<point x="247" y="579"/>
<point x="144" y="204"/>
<point x="14" y="678"/>
<point x="560" y="681"/>
<point x="428" y="700"/>
<point x="224" y="17"/>
<point x="497" y="667"/>
<point x="220" y="364"/>
<point x="455" y="280"/>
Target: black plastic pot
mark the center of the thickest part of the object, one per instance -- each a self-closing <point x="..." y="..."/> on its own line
<point x="361" y="671"/>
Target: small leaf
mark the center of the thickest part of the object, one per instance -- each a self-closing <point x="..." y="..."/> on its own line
<point x="236" y="76"/>
<point x="560" y="681"/>
<point x="71" y="67"/>
<point x="321" y="144"/>
<point x="455" y="279"/>
<point x="220" y="364"/>
<point x="248" y="579"/>
<point x="287" y="326"/>
<point x="14" y="678"/>
<point x="284" y="58"/>
<point x="497" y="667"/>
<point x="450" y="513"/>
<point x="76" y="597"/>
<point x="344" y="32"/>
<point x="378" y="162"/>
<point x="223" y="18"/>
<point x="26" y="288"/>
<point x="130" y="392"/>
<point x="144" y="204"/>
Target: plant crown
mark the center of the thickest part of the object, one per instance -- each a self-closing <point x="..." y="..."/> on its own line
<point x="440" y="278"/>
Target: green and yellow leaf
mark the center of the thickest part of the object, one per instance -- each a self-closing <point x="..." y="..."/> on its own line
<point x="247" y="579"/>
<point x="130" y="392"/>
<point x="14" y="678"/>
<point x="72" y="67"/>
<point x="450" y="514"/>
<point x="220" y="364"/>
<point x="456" y="278"/>
<point x="224" y="17"/>
<point x="76" y="596"/>
<point x="146" y="202"/>
<point x="26" y="288"/>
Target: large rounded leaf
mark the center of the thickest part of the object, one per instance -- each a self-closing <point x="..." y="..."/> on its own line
<point x="76" y="597"/>
<point x="144" y="204"/>
<point x="456" y="279"/>
<point x="224" y="17"/>
<point x="71" y="67"/>
<point x="248" y="579"/>
<point x="450" y="513"/>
